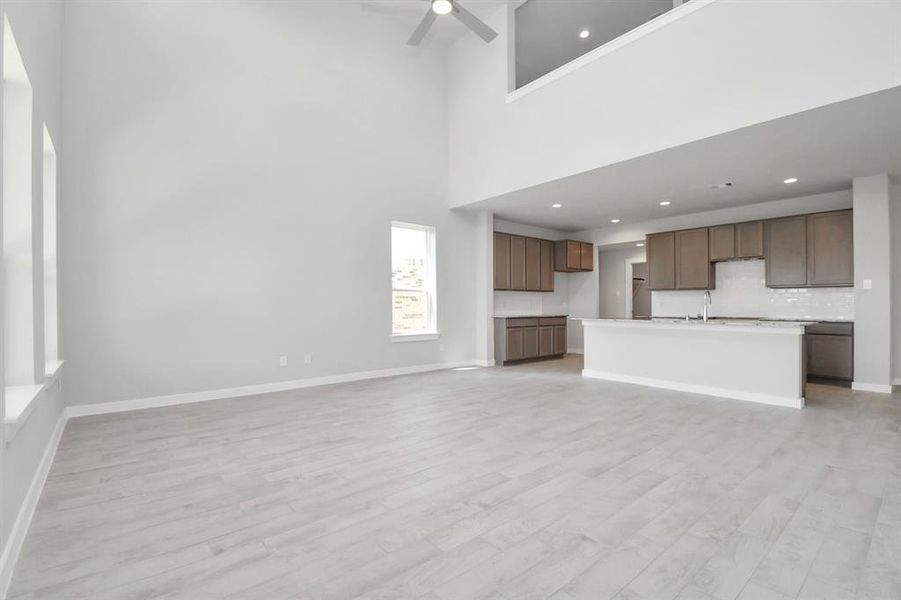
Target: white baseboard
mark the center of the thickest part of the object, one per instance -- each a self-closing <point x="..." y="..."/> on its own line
<point x="26" y="511"/>
<point x="896" y="381"/>
<point x="575" y="351"/>
<point x="691" y="388"/>
<point x="878" y="388"/>
<point x="100" y="408"/>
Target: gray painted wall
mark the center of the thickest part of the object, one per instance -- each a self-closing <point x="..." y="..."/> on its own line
<point x="872" y="261"/>
<point x="230" y="191"/>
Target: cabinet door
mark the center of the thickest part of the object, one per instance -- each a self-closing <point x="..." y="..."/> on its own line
<point x="693" y="260"/>
<point x="722" y="242"/>
<point x="830" y="356"/>
<point x="785" y="243"/>
<point x="517" y="262"/>
<point x="661" y="252"/>
<point x="533" y="264"/>
<point x="545" y="341"/>
<point x="830" y="249"/>
<point x="573" y="255"/>
<point x="514" y="343"/>
<point x="529" y="342"/>
<point x="587" y="254"/>
<point x="547" y="266"/>
<point x="749" y="240"/>
<point x="560" y="339"/>
<point x="501" y="261"/>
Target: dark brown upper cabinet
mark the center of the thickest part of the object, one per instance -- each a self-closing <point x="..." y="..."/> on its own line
<point x="587" y="257"/>
<point x="830" y="249"/>
<point x="722" y="242"/>
<point x="547" y="266"/>
<point x="661" y="259"/>
<point x="523" y="263"/>
<point x="517" y="263"/>
<point x="533" y="264"/>
<point x="694" y="270"/>
<point x="785" y="242"/>
<point x="573" y="256"/>
<point x="749" y="239"/>
<point x="501" y="261"/>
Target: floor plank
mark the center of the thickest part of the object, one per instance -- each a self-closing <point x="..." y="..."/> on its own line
<point x="522" y="482"/>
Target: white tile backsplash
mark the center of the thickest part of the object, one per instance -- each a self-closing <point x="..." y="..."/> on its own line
<point x="741" y="292"/>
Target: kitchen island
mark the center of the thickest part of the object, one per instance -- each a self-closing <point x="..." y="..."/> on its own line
<point x="758" y="361"/>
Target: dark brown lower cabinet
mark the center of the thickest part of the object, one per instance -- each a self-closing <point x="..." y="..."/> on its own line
<point x="523" y="338"/>
<point x="529" y="342"/>
<point x="546" y="340"/>
<point x="514" y="344"/>
<point x="830" y="351"/>
<point x="560" y="340"/>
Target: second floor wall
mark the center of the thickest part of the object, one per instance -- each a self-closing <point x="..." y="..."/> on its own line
<point x="705" y="68"/>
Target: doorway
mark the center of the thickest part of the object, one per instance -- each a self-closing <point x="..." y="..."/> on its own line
<point x="641" y="295"/>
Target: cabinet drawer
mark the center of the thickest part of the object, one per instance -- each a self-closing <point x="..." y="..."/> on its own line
<point x="522" y="322"/>
<point x="552" y="321"/>
<point x="831" y="329"/>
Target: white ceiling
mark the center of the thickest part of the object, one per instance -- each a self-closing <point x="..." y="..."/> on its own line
<point x="825" y="148"/>
<point x="446" y="29"/>
<point x="547" y="31"/>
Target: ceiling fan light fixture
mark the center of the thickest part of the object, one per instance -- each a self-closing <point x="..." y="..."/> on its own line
<point x="442" y="7"/>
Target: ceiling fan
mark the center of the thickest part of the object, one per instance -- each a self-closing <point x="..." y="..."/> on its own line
<point x="452" y="7"/>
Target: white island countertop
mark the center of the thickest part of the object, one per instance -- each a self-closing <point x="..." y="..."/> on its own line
<point x="723" y="325"/>
<point x="759" y="361"/>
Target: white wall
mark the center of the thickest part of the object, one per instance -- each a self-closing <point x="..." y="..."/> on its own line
<point x="741" y="292"/>
<point x="233" y="172"/>
<point x="872" y="263"/>
<point x="37" y="27"/>
<point x="709" y="63"/>
<point x="612" y="278"/>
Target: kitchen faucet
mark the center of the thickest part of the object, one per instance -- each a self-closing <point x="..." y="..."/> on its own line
<point x="707" y="302"/>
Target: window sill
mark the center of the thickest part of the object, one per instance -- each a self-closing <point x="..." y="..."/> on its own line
<point x="415" y="337"/>
<point x="21" y="400"/>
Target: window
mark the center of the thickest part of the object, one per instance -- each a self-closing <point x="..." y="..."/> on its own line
<point x="413" y="299"/>
<point x="18" y="285"/>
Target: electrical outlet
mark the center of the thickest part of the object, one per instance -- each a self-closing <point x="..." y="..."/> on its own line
<point x="307" y="358"/>
<point x="868" y="284"/>
<point x="283" y="361"/>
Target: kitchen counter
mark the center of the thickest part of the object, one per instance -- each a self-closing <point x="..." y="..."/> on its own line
<point x="530" y="316"/>
<point x="758" y="361"/>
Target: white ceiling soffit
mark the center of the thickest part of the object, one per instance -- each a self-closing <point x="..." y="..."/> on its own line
<point x="825" y="148"/>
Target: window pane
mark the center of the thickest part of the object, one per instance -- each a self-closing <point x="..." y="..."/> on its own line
<point x="410" y="312"/>
<point x="409" y="249"/>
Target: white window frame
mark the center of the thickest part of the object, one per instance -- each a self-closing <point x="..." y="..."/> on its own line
<point x="430" y="287"/>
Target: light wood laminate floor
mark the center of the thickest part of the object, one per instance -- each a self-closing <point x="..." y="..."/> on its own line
<point x="508" y="483"/>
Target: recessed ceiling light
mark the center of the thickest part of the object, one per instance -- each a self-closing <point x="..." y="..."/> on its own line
<point x="640" y="244"/>
<point x="442" y="7"/>
<point x="791" y="180"/>
<point x="614" y="220"/>
<point x="665" y="203"/>
<point x="584" y="33"/>
<point x="556" y="205"/>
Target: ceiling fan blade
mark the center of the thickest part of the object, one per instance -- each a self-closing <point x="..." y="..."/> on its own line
<point x="477" y="26"/>
<point x="423" y="28"/>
